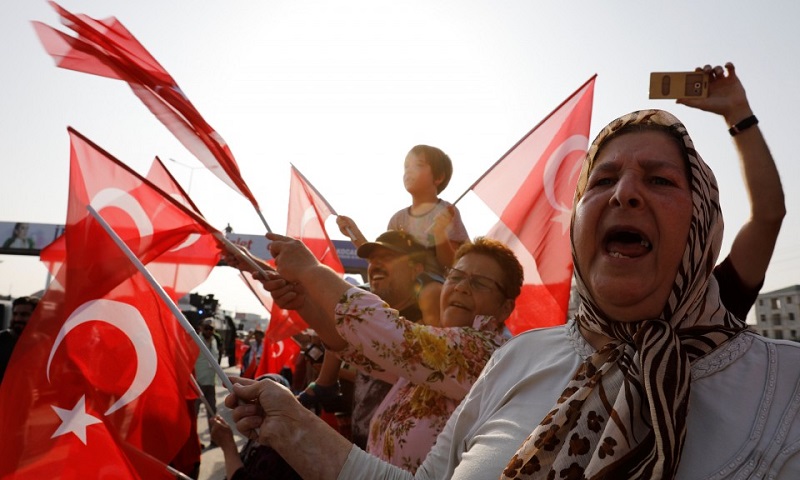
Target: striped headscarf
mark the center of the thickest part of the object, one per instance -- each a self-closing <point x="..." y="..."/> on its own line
<point x="623" y="414"/>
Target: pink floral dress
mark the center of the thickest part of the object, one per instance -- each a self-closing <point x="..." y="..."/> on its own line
<point x="431" y="368"/>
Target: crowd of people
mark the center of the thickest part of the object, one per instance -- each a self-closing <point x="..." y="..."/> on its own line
<point x="644" y="381"/>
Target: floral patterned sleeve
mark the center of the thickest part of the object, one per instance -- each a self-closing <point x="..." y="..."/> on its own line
<point x="447" y="360"/>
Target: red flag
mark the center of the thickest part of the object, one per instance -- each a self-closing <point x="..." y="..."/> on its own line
<point x="107" y="48"/>
<point x="531" y="188"/>
<point x="276" y="355"/>
<point x="187" y="265"/>
<point x="308" y="211"/>
<point x="163" y="179"/>
<point x="102" y="365"/>
<point x="132" y="204"/>
<point x="149" y="221"/>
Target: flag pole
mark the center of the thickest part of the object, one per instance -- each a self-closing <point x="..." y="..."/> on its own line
<point x="199" y="392"/>
<point x="350" y="233"/>
<point x="164" y="297"/>
<point x="263" y="220"/>
<point x="238" y="253"/>
<point x="177" y="473"/>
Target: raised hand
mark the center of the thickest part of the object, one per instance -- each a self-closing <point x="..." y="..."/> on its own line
<point x="726" y="95"/>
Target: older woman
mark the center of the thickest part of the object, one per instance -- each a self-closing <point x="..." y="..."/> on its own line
<point x="654" y="378"/>
<point x="431" y="368"/>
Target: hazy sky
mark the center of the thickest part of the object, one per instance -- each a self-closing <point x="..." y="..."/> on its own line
<point x="343" y="89"/>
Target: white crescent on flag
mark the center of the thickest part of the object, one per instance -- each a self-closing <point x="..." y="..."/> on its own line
<point x="276" y="350"/>
<point x="308" y="215"/>
<point x="190" y="240"/>
<point x="130" y="321"/>
<point x="114" y="197"/>
<point x="575" y="143"/>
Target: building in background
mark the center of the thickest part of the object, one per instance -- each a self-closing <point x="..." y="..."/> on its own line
<point x="778" y="313"/>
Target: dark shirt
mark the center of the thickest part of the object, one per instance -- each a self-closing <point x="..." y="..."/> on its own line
<point x="735" y="296"/>
<point x="261" y="461"/>
<point x="7" y="342"/>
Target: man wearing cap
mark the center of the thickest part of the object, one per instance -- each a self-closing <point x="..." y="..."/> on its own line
<point x="395" y="264"/>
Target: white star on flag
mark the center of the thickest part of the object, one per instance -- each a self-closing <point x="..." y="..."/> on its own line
<point x="564" y="217"/>
<point x="75" y="420"/>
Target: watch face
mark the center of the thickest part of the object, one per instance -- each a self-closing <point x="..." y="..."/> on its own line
<point x="314" y="352"/>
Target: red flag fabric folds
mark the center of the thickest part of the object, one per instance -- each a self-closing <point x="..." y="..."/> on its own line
<point x="132" y="203"/>
<point x="531" y="188"/>
<point x="107" y="48"/>
<point x="308" y="211"/>
<point x="305" y="221"/>
<point x="163" y="179"/>
<point x="188" y="264"/>
<point x="102" y="366"/>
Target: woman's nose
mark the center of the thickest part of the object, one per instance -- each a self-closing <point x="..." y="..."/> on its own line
<point x="627" y="193"/>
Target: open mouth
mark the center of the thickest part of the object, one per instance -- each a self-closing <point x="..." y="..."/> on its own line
<point x="627" y="244"/>
<point x="377" y="275"/>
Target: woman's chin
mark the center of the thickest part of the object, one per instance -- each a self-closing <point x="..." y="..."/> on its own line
<point x="630" y="303"/>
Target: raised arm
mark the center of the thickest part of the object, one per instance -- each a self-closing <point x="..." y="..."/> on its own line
<point x="287" y="288"/>
<point x="306" y="285"/>
<point x="445" y="248"/>
<point x="445" y="359"/>
<point x="349" y="228"/>
<point x="754" y="243"/>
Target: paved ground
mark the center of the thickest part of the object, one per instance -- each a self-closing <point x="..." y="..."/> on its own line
<point x="212" y="465"/>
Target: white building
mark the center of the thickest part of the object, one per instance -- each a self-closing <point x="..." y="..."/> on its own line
<point x="778" y="313"/>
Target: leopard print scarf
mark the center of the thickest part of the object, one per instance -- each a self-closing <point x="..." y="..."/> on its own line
<point x="623" y="414"/>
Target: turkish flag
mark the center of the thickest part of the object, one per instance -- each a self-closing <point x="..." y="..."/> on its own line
<point x="188" y="264"/>
<point x="531" y="189"/>
<point x="308" y="211"/>
<point x="163" y="179"/>
<point x="107" y="48"/>
<point x="159" y="226"/>
<point x="101" y="366"/>
<point x="103" y="363"/>
<point x="276" y="355"/>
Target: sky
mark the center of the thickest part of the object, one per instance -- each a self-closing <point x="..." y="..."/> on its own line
<point x="342" y="90"/>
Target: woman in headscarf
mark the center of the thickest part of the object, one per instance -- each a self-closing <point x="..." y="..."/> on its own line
<point x="653" y="378"/>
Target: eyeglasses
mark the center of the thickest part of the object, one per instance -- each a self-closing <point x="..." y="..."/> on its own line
<point x="478" y="283"/>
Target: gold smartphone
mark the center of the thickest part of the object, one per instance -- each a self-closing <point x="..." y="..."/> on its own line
<point x="678" y="84"/>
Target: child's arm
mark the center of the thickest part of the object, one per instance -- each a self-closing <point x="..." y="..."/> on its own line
<point x="445" y="248"/>
<point x="349" y="228"/>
